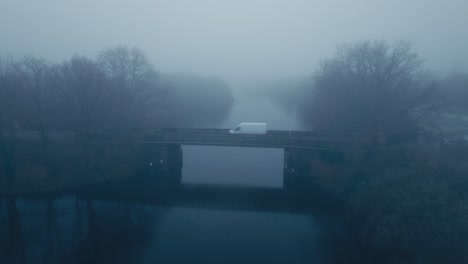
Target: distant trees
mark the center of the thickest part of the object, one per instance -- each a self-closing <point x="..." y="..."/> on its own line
<point x="11" y="93"/>
<point x="196" y="101"/>
<point x="290" y="94"/>
<point x="136" y="87"/>
<point x="406" y="201"/>
<point x="83" y="90"/>
<point x="455" y="89"/>
<point x="373" y="90"/>
<point x="39" y="98"/>
<point x="120" y="89"/>
<point x="80" y="94"/>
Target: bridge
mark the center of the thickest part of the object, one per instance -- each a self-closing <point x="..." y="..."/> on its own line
<point x="160" y="151"/>
<point x="222" y="137"/>
<point x="163" y="151"/>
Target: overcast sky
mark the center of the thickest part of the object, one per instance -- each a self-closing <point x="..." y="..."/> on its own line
<point x="237" y="39"/>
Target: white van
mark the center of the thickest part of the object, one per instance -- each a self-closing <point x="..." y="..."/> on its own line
<point x="250" y="128"/>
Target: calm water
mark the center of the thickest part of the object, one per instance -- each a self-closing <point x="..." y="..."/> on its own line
<point x="73" y="230"/>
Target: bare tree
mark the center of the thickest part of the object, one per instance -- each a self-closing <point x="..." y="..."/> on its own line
<point x="372" y="89"/>
<point x="136" y="87"/>
<point x="83" y="89"/>
<point x="39" y="96"/>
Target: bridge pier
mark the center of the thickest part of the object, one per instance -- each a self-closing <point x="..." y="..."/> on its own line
<point x="306" y="169"/>
<point x="165" y="163"/>
<point x="171" y="163"/>
<point x="297" y="168"/>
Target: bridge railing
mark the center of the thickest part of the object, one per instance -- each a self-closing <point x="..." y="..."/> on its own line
<point x="245" y="140"/>
<point x="273" y="138"/>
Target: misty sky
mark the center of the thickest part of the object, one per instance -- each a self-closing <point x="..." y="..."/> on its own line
<point x="235" y="40"/>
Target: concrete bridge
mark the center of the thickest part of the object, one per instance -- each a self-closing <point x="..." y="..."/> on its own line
<point x="163" y="151"/>
<point x="161" y="148"/>
<point x="221" y="137"/>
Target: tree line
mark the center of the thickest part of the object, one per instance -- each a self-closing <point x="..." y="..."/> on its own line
<point x="119" y="89"/>
<point x="406" y="193"/>
<point x="404" y="189"/>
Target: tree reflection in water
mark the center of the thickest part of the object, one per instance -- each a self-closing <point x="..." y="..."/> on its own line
<point x="12" y="243"/>
<point x="70" y="230"/>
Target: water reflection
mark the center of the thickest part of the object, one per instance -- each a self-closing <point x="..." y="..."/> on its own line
<point x="70" y="230"/>
<point x="77" y="229"/>
<point x="11" y="232"/>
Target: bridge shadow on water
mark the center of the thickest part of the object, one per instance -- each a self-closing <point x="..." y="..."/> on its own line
<point x="144" y="190"/>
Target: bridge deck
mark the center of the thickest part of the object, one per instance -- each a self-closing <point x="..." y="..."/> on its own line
<point x="208" y="137"/>
<point x="222" y="137"/>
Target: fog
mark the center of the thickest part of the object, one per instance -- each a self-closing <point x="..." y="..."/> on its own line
<point x="118" y="142"/>
<point x="240" y="41"/>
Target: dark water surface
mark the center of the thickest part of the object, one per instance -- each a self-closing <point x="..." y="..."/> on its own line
<point x="73" y="230"/>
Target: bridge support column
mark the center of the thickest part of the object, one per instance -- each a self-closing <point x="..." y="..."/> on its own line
<point x="297" y="169"/>
<point x="169" y="160"/>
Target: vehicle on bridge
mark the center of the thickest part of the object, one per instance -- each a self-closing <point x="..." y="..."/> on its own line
<point x="250" y="128"/>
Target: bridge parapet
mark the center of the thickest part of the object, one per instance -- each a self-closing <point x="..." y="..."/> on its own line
<point x="210" y="137"/>
<point x="222" y="137"/>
